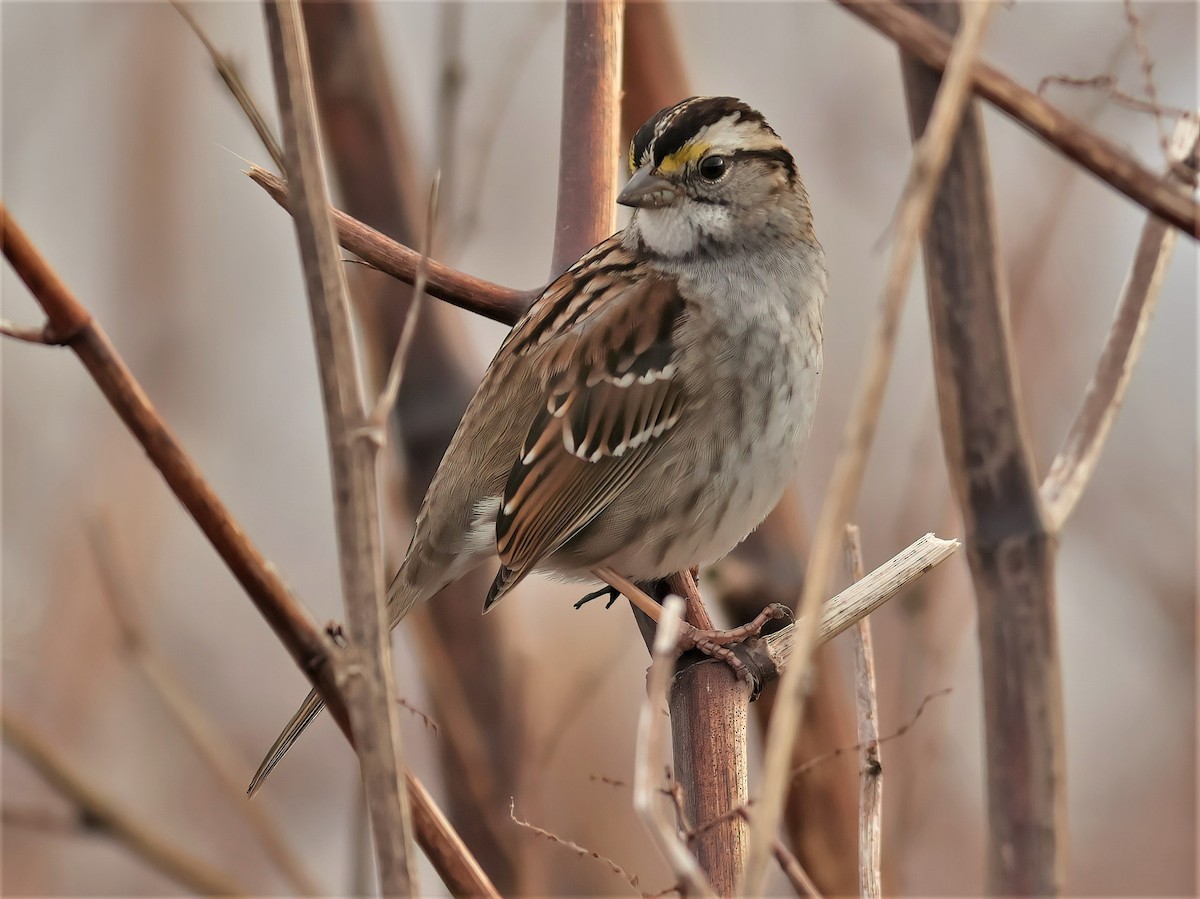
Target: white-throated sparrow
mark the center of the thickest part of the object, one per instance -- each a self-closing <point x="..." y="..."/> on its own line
<point x="648" y="411"/>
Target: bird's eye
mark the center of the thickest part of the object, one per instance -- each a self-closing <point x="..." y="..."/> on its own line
<point x="712" y="167"/>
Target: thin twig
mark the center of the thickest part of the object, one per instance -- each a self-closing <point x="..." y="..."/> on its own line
<point x="503" y="304"/>
<point x="40" y="335"/>
<point x="1079" y="454"/>
<point x="378" y="416"/>
<point x="929" y="159"/>
<point x="1147" y="65"/>
<point x="1108" y="84"/>
<point x="108" y="816"/>
<point x="368" y="681"/>
<point x="870" y="800"/>
<point x="794" y="871"/>
<point x="205" y="736"/>
<point x="233" y="80"/>
<point x="650" y="749"/>
<point x="581" y="851"/>
<point x="1074" y="140"/>
<point x="900" y="731"/>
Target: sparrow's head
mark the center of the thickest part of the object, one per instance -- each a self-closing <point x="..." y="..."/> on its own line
<point x="709" y="174"/>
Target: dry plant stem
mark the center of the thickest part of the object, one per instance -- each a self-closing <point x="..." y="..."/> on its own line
<point x="366" y="678"/>
<point x="377" y="418"/>
<point x="205" y="735"/>
<point x="502" y="304"/>
<point x="929" y="158"/>
<point x="141" y="838"/>
<point x="293" y="625"/>
<point x="1009" y="547"/>
<point x="25" y="334"/>
<point x="233" y="81"/>
<point x="870" y="802"/>
<point x="647" y="795"/>
<point x="1076" y="460"/>
<point x="710" y="708"/>
<point x="794" y="871"/>
<point x="587" y="189"/>
<point x="1077" y="142"/>
<point x="378" y="176"/>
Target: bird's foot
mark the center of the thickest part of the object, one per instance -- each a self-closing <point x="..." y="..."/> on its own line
<point x="717" y="643"/>
<point x="612" y="593"/>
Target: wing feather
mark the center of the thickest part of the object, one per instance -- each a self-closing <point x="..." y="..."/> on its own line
<point x="611" y="391"/>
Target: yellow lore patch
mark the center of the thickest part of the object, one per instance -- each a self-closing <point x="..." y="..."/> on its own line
<point x="683" y="156"/>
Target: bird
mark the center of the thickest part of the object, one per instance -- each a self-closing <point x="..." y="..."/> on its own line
<point x="649" y="409"/>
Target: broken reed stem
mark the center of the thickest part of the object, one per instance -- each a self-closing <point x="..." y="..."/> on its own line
<point x="870" y="800"/>
<point x="366" y="680"/>
<point x="1076" y="460"/>
<point x="929" y="159"/>
<point x="1073" y="139"/>
<point x="141" y="838"/>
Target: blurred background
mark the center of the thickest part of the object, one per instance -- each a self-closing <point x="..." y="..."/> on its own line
<point x="123" y="157"/>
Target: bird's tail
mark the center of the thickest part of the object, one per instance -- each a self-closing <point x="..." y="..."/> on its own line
<point x="402" y="596"/>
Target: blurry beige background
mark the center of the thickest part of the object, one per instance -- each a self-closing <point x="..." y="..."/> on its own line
<point x="120" y="159"/>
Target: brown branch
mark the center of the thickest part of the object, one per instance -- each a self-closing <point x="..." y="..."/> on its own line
<point x="197" y="726"/>
<point x="1074" y="140"/>
<point x="502" y="304"/>
<point x="794" y="871"/>
<point x="1108" y="84"/>
<point x="870" y="803"/>
<point x="1009" y="546"/>
<point x="291" y="622"/>
<point x="367" y="680"/>
<point x="587" y="191"/>
<point x="929" y="160"/>
<point x="1076" y="459"/>
<point x="143" y="839"/>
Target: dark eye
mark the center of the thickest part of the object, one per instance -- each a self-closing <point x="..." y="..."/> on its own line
<point x="712" y="167"/>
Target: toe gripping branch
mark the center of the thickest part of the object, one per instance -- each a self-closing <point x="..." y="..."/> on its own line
<point x="741" y="648"/>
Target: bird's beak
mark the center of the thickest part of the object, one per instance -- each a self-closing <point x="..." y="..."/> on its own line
<point x="645" y="188"/>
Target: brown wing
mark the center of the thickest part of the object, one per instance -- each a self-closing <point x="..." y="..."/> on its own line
<point x="611" y="392"/>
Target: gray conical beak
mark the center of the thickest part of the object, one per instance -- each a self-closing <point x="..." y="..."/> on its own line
<point x="645" y="188"/>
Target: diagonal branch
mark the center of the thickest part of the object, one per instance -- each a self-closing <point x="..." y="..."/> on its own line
<point x="503" y="304"/>
<point x="367" y="680"/>
<point x="1076" y="460"/>
<point x="1073" y="139"/>
<point x="291" y="622"/>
